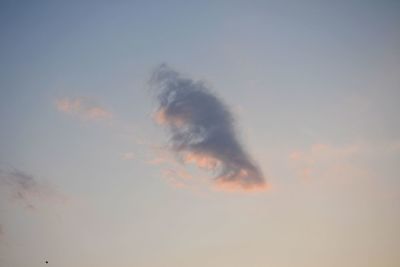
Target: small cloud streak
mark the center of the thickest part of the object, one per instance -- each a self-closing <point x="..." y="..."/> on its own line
<point x="325" y="161"/>
<point x="128" y="156"/>
<point x="178" y="178"/>
<point x="25" y="189"/>
<point x="84" y="108"/>
<point x="202" y="131"/>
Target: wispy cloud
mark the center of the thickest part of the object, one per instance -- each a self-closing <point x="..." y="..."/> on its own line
<point x="128" y="156"/>
<point x="326" y="161"/>
<point x="84" y="108"/>
<point x="159" y="155"/>
<point x="203" y="132"/>
<point x="178" y="178"/>
<point x="25" y="189"/>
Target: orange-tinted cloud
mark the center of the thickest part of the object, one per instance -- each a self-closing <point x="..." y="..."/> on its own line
<point x="83" y="107"/>
<point x="178" y="178"/>
<point x="239" y="183"/>
<point x="162" y="118"/>
<point x="202" y="161"/>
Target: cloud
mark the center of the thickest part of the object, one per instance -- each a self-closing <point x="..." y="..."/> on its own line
<point x="128" y="156"/>
<point x="202" y="131"/>
<point x="24" y="188"/>
<point x="178" y="178"/>
<point x="82" y="107"/>
<point x="324" y="161"/>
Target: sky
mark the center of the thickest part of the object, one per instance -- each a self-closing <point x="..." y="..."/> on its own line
<point x="200" y="133"/>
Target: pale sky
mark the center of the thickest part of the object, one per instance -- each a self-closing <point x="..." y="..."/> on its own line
<point x="88" y="173"/>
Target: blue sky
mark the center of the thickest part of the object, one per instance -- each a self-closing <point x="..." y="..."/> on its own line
<point x="87" y="176"/>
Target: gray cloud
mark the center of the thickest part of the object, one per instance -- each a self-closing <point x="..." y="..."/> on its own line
<point x="202" y="130"/>
<point x="24" y="188"/>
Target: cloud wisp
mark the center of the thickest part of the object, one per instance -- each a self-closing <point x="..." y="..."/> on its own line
<point x="202" y="131"/>
<point x="25" y="189"/>
<point x="84" y="108"/>
<point x="326" y="161"/>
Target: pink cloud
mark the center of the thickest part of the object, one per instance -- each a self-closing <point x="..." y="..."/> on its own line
<point x="202" y="161"/>
<point x="162" y="118"/>
<point x="177" y="178"/>
<point x="238" y="184"/>
<point x="83" y="107"/>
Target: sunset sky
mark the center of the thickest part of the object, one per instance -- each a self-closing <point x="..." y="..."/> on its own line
<point x="200" y="133"/>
